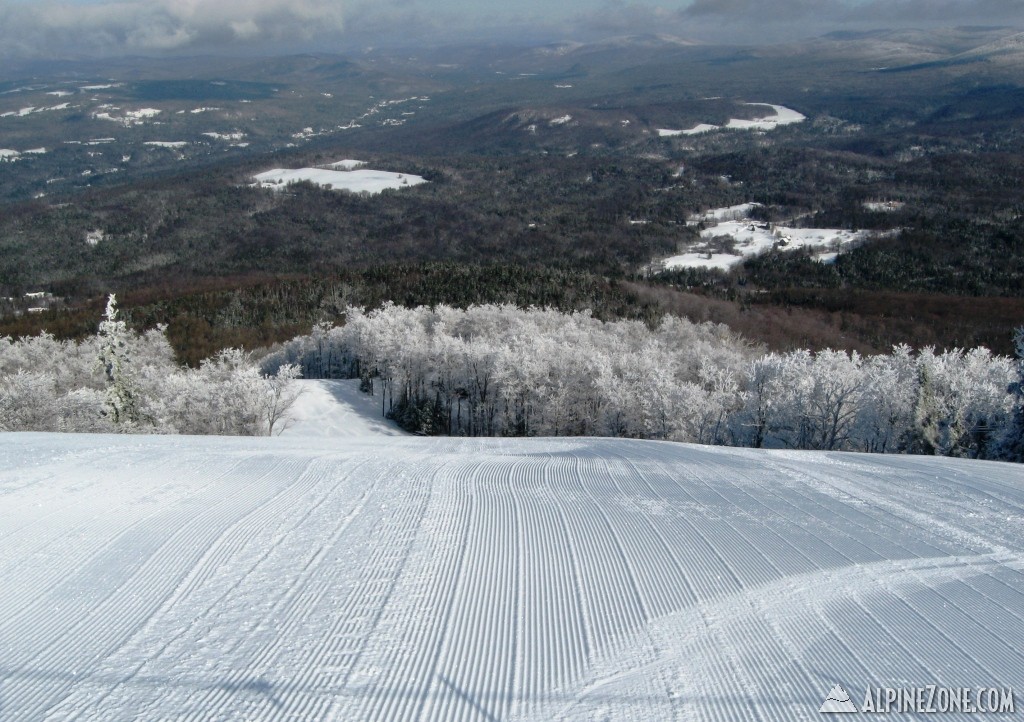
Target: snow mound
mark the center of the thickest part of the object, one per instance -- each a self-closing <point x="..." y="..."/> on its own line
<point x="482" y="579"/>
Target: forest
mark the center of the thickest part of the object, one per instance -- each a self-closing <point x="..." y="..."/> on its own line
<point x="505" y="371"/>
<point x="501" y="370"/>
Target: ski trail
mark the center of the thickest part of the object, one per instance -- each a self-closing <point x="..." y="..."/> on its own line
<point x="404" y="578"/>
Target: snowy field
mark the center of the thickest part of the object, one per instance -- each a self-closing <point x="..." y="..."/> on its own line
<point x="130" y="117"/>
<point x="346" y="164"/>
<point x="780" y="116"/>
<point x="400" y="578"/>
<point x="355" y="180"/>
<point x="729" y="213"/>
<point x="21" y="113"/>
<point x="753" y="238"/>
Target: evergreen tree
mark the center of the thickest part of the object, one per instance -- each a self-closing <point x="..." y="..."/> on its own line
<point x="115" y="361"/>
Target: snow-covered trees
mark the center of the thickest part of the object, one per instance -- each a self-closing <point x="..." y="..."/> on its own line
<point x="114" y="359"/>
<point x="802" y="400"/>
<point x="505" y="371"/>
<point x="963" y="404"/>
<point x="1011" y="446"/>
<point x="954" y="403"/>
<point x="119" y="380"/>
<point x="501" y="370"/>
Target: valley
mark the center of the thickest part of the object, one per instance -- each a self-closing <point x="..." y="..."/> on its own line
<point x="581" y="158"/>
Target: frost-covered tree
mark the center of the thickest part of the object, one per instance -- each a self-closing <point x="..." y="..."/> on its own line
<point x="280" y="394"/>
<point x="119" y="380"/>
<point x="494" y="370"/>
<point x="886" y="416"/>
<point x="501" y="370"/>
<point x="28" y="402"/>
<point x="833" y="399"/>
<point x="1012" y="446"/>
<point x="115" y="361"/>
<point x="962" y="406"/>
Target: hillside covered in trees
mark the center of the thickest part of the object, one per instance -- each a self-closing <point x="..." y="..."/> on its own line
<point x="572" y="168"/>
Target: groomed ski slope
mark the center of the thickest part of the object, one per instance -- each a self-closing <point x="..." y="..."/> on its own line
<point x="404" y="578"/>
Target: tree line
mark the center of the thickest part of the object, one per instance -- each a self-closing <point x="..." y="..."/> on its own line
<point x="119" y="380"/>
<point x="498" y="370"/>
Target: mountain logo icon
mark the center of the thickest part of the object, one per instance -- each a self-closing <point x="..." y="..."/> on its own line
<point x="838" y="701"/>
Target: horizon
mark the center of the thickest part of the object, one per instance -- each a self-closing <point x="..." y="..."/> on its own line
<point x="161" y="28"/>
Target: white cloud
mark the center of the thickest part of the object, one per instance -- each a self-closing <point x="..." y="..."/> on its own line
<point x="756" y="21"/>
<point x="878" y="12"/>
<point x="114" y="27"/>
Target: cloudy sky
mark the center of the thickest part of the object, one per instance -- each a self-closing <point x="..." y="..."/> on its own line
<point x="113" y="27"/>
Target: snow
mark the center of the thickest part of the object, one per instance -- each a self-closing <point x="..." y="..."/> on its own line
<point x="11" y="155"/>
<point x="695" y="130"/>
<point x="562" y="120"/>
<point x="237" y="135"/>
<point x="357" y="181"/>
<point x="780" y="116"/>
<point x="702" y="259"/>
<point x="400" y="578"/>
<point x="33" y="109"/>
<point x="329" y="408"/>
<point x="167" y="143"/>
<point x="728" y="213"/>
<point x="883" y="206"/>
<point x="752" y="238"/>
<point x="130" y="117"/>
<point x="346" y="164"/>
